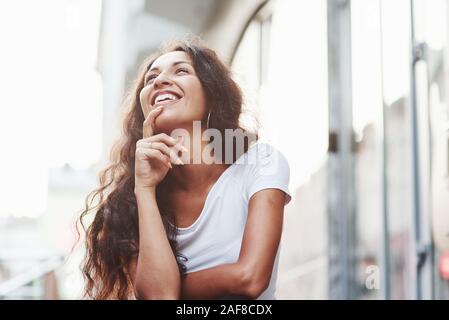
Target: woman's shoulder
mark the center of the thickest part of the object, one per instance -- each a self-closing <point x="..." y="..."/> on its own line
<point x="264" y="166"/>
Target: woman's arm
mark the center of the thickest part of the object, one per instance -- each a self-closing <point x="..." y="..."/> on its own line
<point x="251" y="274"/>
<point x="212" y="283"/>
<point x="154" y="273"/>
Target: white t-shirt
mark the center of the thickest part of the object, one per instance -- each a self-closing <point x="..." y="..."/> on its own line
<point x="215" y="237"/>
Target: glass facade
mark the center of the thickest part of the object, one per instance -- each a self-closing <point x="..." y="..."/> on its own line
<point x="399" y="177"/>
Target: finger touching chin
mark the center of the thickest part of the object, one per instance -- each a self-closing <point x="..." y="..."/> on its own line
<point x="164" y="124"/>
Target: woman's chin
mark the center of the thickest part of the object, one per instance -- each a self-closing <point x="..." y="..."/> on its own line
<point x="165" y="123"/>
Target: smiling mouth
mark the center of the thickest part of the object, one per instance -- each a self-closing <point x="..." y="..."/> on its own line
<point x="166" y="102"/>
<point x="166" y="99"/>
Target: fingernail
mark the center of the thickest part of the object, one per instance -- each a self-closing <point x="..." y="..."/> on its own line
<point x="170" y="165"/>
<point x="183" y="148"/>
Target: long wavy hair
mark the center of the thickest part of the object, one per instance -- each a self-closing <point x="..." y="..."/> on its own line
<point x="112" y="238"/>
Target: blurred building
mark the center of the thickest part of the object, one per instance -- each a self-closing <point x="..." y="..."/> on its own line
<point x="354" y="93"/>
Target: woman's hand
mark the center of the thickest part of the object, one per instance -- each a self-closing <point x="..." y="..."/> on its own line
<point x="155" y="154"/>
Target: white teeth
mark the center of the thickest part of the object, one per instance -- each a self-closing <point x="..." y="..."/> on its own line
<point x="165" y="96"/>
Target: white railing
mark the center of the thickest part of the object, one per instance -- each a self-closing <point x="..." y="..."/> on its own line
<point x="44" y="267"/>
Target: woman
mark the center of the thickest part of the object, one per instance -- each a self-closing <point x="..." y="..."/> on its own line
<point x="177" y="215"/>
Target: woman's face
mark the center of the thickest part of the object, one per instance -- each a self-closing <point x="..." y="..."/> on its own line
<point x="172" y="82"/>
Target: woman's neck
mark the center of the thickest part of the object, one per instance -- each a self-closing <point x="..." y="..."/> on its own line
<point x="193" y="175"/>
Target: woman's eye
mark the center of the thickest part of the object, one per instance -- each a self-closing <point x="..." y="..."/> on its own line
<point x="181" y="70"/>
<point x="149" y="79"/>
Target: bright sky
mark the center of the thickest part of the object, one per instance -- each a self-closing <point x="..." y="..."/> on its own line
<point x="50" y="97"/>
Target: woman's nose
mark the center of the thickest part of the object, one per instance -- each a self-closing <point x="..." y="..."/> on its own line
<point x="162" y="79"/>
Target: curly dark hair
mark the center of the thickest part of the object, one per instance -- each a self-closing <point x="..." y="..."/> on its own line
<point x="112" y="237"/>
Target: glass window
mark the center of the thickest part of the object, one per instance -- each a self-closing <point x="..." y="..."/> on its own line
<point x="368" y="130"/>
<point x="431" y="25"/>
<point x="384" y="239"/>
<point x="396" y="28"/>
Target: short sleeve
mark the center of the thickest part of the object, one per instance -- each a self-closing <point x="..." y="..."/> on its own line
<point x="267" y="168"/>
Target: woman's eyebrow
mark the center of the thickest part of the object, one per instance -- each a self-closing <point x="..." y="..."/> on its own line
<point x="174" y="64"/>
